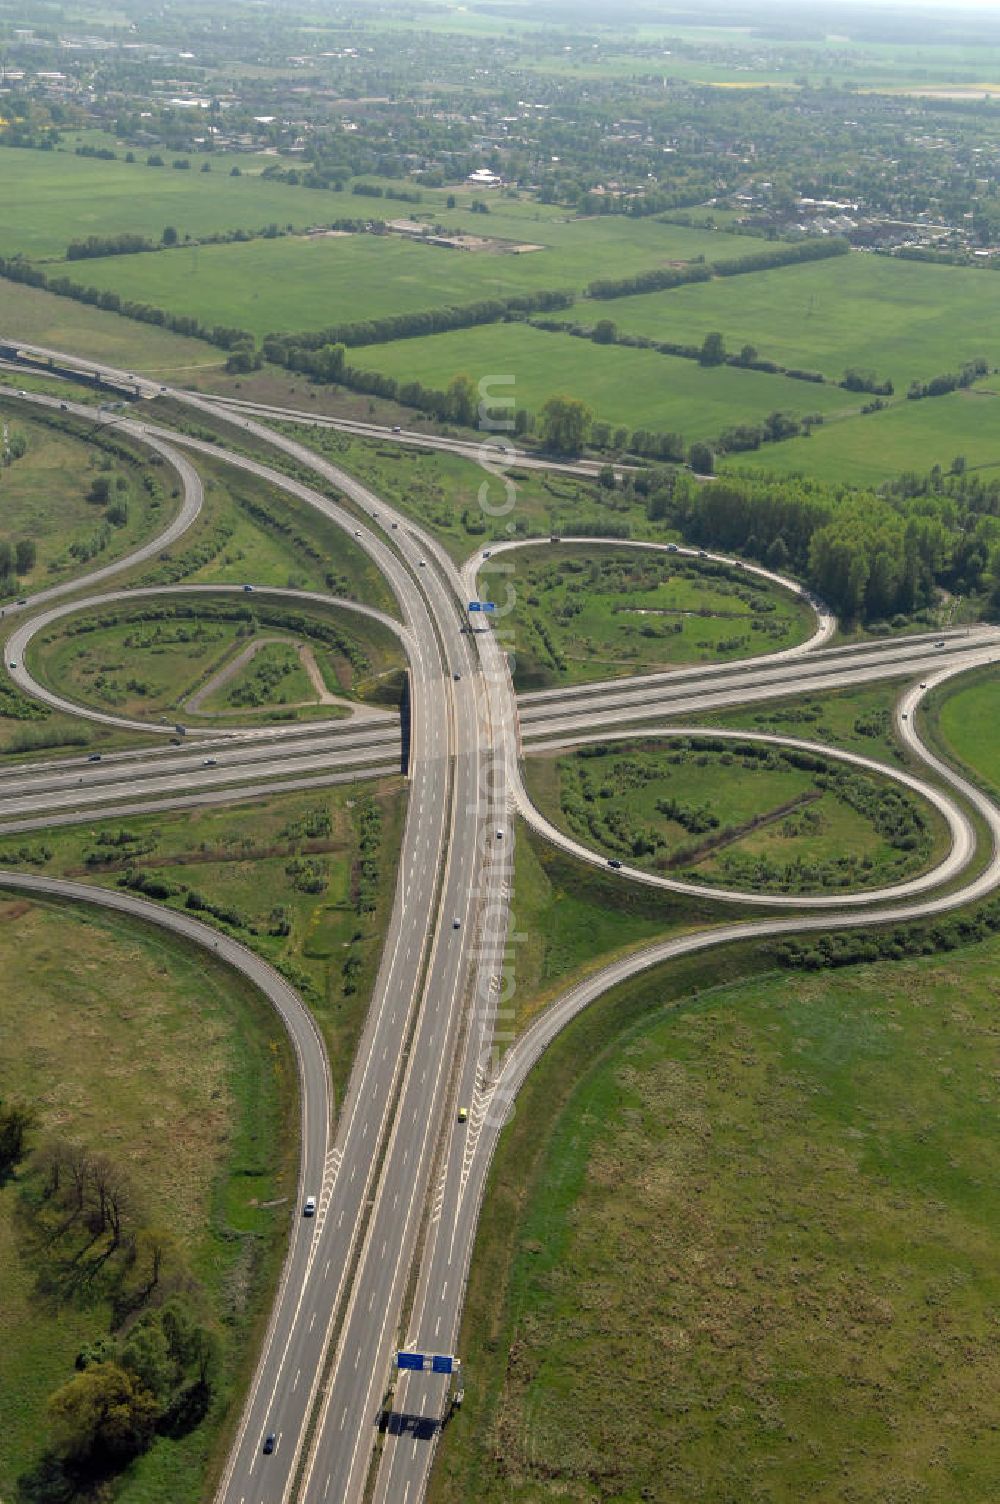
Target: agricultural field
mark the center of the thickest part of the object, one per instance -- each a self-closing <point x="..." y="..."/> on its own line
<point x="741" y="816"/>
<point x="306" y="879"/>
<point x="306" y="282"/>
<point x="744" y="1249"/>
<point x="154" y="660"/>
<point x="80" y="506"/>
<point x="907" y="436"/>
<point x="625" y="611"/>
<point x="51" y="198"/>
<point x="42" y="318"/>
<point x="637" y="388"/>
<point x="904" y="320"/>
<point x="153" y="1055"/>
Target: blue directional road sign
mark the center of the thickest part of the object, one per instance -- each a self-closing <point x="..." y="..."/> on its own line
<point x="475" y="605"/>
<point x="488" y="605"/>
<point x="424" y="1362"/>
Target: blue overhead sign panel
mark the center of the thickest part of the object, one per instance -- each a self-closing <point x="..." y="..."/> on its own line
<point x="475" y="606"/>
<point x="424" y="1362"/>
<point x="487" y="605"/>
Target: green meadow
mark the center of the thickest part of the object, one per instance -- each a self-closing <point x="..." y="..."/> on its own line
<point x="905" y="320"/>
<point x="171" y="1066"/>
<point x="301" y="282"/>
<point x="742" y="1248"/>
<point x="637" y="388"/>
<point x="51" y="198"/>
<point x="915" y="436"/>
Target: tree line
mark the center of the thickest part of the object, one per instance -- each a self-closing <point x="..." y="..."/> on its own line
<point x="871" y="556"/>
<point x="711" y="352"/>
<point x="949" y="381"/>
<point x="225" y="337"/>
<point x="155" y="1371"/>
<point x="663" y="278"/>
<point x="414" y="325"/>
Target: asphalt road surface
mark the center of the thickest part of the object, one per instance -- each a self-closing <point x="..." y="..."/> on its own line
<point x="398" y="1177"/>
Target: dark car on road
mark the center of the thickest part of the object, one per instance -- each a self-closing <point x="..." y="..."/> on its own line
<point x="269" y="1441"/>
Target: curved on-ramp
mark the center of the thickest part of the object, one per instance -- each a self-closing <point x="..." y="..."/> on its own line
<point x="18" y="641"/>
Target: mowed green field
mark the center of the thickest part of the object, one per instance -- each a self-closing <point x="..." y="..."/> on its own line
<point x="868" y="449"/>
<point x="753" y="1258"/>
<point x="51" y="198"/>
<point x="637" y="388"/>
<point x="306" y="282"/>
<point x="902" y="319"/>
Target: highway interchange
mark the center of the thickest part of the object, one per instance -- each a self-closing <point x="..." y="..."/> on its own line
<point x="399" y="1181"/>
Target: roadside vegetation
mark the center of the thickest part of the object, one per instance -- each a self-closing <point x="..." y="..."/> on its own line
<point x="578" y="617"/>
<point x="859" y="719"/>
<point x="306" y="879"/>
<point x="150" y="660"/>
<point x="144" y="1203"/>
<point x="738" y="814"/>
<point x="72" y="500"/>
<point x="724" y="1217"/>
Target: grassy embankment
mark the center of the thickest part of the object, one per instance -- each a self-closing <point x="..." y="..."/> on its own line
<point x="149" y="661"/>
<point x="748" y="1253"/>
<point x="748" y="816"/>
<point x="138" y="1048"/>
<point x="49" y="497"/>
<point x="286" y="875"/>
<point x="618" y="612"/>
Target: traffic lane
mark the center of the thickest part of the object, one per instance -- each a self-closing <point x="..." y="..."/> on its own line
<point x="748" y="674"/>
<point x="310" y="1057"/>
<point x="362" y="1119"/>
<point x="594" y="719"/>
<point x="148" y="762"/>
<point x="470" y="448"/>
<point x="82" y="788"/>
<point x="489" y="923"/>
<point x="854" y="655"/>
<point x="82" y="814"/>
<point x="372" y="1315"/>
<point x="416" y="1409"/>
<point x="18" y="641"/>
